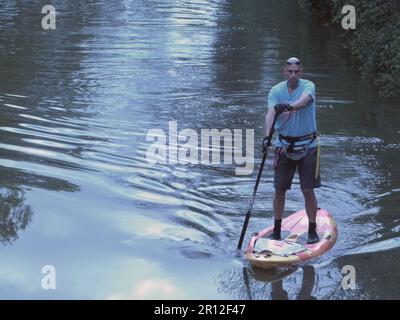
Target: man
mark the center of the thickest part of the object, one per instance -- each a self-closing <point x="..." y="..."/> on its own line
<point x="296" y="146"/>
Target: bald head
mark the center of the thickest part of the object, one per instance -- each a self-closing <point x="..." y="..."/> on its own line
<point x="293" y="60"/>
<point x="293" y="71"/>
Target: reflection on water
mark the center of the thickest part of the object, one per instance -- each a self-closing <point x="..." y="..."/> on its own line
<point x="14" y="215"/>
<point x="297" y="282"/>
<point x="78" y="193"/>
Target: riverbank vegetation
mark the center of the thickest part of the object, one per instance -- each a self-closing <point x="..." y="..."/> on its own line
<point x="374" y="44"/>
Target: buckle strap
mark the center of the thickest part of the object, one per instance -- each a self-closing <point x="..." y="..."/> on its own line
<point x="298" y="139"/>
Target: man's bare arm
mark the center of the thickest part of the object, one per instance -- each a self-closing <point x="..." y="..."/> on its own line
<point x="304" y="100"/>
<point x="269" y="118"/>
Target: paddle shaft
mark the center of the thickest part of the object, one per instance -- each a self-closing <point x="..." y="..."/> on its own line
<point x="246" y="221"/>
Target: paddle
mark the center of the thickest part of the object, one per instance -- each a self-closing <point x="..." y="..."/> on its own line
<point x="246" y="221"/>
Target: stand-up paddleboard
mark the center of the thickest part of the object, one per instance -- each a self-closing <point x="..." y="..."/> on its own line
<point x="267" y="253"/>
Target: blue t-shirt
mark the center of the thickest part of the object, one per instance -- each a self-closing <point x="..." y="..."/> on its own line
<point x="296" y="123"/>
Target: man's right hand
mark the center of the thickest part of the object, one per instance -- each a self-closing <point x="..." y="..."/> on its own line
<point x="279" y="108"/>
<point x="266" y="144"/>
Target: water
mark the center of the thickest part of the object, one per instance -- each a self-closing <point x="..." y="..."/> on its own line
<point x="78" y="193"/>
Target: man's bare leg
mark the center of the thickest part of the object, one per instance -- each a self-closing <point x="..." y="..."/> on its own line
<point x="311" y="209"/>
<point x="279" y="205"/>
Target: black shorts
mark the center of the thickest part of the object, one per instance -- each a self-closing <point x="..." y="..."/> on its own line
<point x="285" y="169"/>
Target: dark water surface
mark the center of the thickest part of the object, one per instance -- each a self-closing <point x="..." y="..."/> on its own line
<point x="78" y="193"/>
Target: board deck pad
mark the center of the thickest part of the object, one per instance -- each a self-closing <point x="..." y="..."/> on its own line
<point x="283" y="248"/>
<point x="293" y="248"/>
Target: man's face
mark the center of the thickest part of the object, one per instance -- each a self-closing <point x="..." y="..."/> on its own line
<point x="293" y="73"/>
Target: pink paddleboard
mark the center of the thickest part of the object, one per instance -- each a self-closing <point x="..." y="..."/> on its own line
<point x="267" y="254"/>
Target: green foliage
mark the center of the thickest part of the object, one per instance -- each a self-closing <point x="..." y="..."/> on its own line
<point x="376" y="41"/>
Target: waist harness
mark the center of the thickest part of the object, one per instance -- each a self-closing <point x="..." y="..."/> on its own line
<point x="292" y="140"/>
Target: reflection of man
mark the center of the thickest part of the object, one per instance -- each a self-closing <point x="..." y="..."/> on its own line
<point x="296" y="146"/>
<point x="308" y="284"/>
<point x="278" y="293"/>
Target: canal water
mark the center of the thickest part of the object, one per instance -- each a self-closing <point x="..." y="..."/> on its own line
<point x="81" y="106"/>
